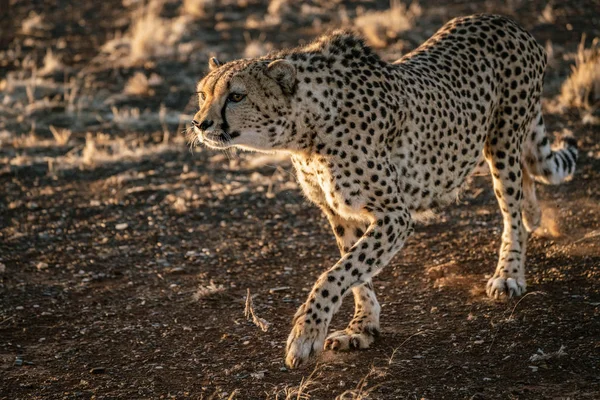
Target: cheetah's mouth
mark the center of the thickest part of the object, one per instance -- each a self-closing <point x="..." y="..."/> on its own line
<point x="216" y="139"/>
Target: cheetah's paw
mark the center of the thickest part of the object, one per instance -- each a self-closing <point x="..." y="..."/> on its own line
<point x="301" y="345"/>
<point x="499" y="286"/>
<point x="348" y="339"/>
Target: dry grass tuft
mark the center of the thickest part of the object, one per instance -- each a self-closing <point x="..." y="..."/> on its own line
<point x="361" y="392"/>
<point x="582" y="87"/>
<point x="61" y="135"/>
<point x="197" y="8"/>
<point x="300" y="392"/>
<point x="380" y="28"/>
<point x="52" y="64"/>
<point x="138" y="85"/>
<point x="256" y="48"/>
<point x="206" y="291"/>
<point x="547" y="15"/>
<point x="542" y="356"/>
<point x="31" y="23"/>
<point x="152" y="35"/>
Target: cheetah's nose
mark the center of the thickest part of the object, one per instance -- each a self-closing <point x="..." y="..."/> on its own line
<point x="202" y="126"/>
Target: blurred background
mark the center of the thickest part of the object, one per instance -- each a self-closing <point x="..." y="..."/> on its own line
<point x="125" y="255"/>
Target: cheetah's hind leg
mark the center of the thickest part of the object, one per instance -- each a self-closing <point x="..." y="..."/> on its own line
<point x="504" y="159"/>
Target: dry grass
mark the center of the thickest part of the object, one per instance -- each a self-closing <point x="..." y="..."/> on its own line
<point x="582" y="87"/>
<point x="138" y="85"/>
<point x="27" y="140"/>
<point x="362" y="392"/>
<point x="206" y="291"/>
<point x="197" y="8"/>
<point x="300" y="392"/>
<point x="382" y="27"/>
<point x="153" y="36"/>
<point x="150" y="36"/>
<point x="547" y="15"/>
<point x="257" y="47"/>
<point x="31" y="23"/>
<point x="101" y="148"/>
<point x="52" y="64"/>
<point x="61" y="135"/>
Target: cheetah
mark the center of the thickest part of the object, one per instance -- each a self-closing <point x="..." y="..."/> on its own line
<point x="376" y="144"/>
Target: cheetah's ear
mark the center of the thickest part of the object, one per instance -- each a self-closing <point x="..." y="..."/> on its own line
<point x="284" y="73"/>
<point x="213" y="63"/>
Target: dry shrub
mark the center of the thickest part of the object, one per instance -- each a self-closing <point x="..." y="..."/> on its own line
<point x="382" y="27"/>
<point x="582" y="87"/>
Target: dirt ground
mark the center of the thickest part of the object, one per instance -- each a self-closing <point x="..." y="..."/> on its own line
<point x="125" y="258"/>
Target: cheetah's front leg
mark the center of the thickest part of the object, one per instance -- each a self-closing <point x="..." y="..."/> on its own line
<point x="385" y="236"/>
<point x="364" y="327"/>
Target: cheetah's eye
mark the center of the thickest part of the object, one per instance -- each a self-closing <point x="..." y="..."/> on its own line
<point x="235" y="97"/>
<point x="202" y="95"/>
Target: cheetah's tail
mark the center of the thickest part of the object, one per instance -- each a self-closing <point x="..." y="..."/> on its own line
<point x="549" y="163"/>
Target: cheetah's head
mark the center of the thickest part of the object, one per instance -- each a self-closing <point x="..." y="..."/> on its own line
<point x="244" y="104"/>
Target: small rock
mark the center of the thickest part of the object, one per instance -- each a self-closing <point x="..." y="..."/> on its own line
<point x="41" y="266"/>
<point x="258" y="375"/>
<point x="97" y="370"/>
<point x="18" y="361"/>
<point x="2" y="268"/>
<point x="122" y="226"/>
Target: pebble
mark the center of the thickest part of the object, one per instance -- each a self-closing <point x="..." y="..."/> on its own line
<point x="41" y="266"/>
<point x="122" y="226"/>
<point x="278" y="289"/>
<point x="2" y="268"/>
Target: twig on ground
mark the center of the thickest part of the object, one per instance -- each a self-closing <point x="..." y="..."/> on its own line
<point x="249" y="312"/>
<point x="404" y="342"/>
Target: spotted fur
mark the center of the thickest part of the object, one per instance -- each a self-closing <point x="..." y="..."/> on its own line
<point x="375" y="144"/>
